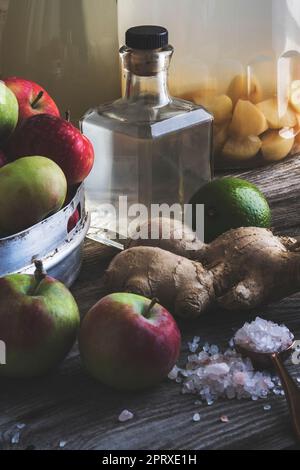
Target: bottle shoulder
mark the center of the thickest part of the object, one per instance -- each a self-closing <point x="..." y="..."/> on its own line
<point x="125" y="114"/>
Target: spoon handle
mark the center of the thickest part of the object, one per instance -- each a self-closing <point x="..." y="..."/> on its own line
<point x="292" y="392"/>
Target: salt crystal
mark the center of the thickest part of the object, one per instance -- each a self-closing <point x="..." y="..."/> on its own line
<point x="125" y="416"/>
<point x="15" y="438"/>
<point x="203" y="356"/>
<point x="206" y="347"/>
<point x="217" y="369"/>
<point x="174" y="373"/>
<point x="193" y="358"/>
<point x="197" y="403"/>
<point x="298" y="380"/>
<point x="21" y="426"/>
<point x="194" y="345"/>
<point x="224" y="375"/>
<point x="214" y="349"/>
<point x="267" y="407"/>
<point x="276" y="380"/>
<point x="196" y="417"/>
<point x="62" y="444"/>
<point x="224" y="419"/>
<point x="264" y="336"/>
<point x="239" y="378"/>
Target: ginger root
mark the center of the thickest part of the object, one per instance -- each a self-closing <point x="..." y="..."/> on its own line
<point x="242" y="269"/>
<point x="170" y="235"/>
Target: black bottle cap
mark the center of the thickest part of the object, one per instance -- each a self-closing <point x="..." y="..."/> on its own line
<point x="147" y="37"/>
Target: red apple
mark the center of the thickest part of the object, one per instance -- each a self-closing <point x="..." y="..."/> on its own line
<point x="57" y="139"/>
<point x="32" y="98"/>
<point x="3" y="160"/>
<point x="73" y="220"/>
<point x="128" y="342"/>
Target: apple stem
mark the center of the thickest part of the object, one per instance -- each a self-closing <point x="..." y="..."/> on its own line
<point x="40" y="272"/>
<point x="68" y="115"/>
<point x="150" y="307"/>
<point x="37" y="99"/>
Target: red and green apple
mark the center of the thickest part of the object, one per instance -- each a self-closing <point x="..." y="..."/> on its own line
<point x="39" y="320"/>
<point x="129" y="342"/>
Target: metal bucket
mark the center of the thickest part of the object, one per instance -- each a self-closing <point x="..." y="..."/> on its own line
<point x="49" y="241"/>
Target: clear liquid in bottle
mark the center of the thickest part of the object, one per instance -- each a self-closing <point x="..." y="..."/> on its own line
<point x="149" y="147"/>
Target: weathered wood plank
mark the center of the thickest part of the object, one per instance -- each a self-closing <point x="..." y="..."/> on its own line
<point x="69" y="406"/>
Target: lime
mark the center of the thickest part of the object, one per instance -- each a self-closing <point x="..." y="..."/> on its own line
<point x="231" y="203"/>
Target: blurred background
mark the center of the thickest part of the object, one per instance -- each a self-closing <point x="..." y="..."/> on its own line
<point x="68" y="46"/>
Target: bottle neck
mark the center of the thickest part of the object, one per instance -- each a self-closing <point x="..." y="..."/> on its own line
<point x="147" y="75"/>
<point x="152" y="91"/>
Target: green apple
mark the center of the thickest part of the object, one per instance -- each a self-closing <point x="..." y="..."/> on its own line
<point x="9" y="112"/>
<point x="39" y="320"/>
<point x="31" y="189"/>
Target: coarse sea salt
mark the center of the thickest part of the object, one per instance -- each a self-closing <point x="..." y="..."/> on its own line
<point x="125" y="416"/>
<point x="194" y="345"/>
<point x="223" y="375"/>
<point x="224" y="419"/>
<point x="264" y="336"/>
<point x="15" y="439"/>
<point x="21" y="426"/>
<point x="211" y="374"/>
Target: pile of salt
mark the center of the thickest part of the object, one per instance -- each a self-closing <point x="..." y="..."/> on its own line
<point x="264" y="336"/>
<point x="213" y="375"/>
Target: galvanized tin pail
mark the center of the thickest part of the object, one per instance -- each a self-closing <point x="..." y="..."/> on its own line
<point x="50" y="241"/>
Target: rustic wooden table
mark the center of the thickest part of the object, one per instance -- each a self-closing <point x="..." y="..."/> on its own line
<point x="69" y="406"/>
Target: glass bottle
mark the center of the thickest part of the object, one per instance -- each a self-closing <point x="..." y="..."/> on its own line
<point x="149" y="147"/>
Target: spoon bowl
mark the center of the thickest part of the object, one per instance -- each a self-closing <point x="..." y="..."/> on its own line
<point x="264" y="360"/>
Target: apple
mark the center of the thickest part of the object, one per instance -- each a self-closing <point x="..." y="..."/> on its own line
<point x="9" y="112"/>
<point x="32" y="98"/>
<point x="3" y="159"/>
<point x="73" y="220"/>
<point x="129" y="342"/>
<point x="31" y="189"/>
<point x="57" y="139"/>
<point x="39" y="320"/>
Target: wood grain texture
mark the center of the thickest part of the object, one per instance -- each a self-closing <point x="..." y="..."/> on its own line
<point x="70" y="406"/>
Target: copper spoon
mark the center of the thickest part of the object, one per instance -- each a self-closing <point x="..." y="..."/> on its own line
<point x="292" y="392"/>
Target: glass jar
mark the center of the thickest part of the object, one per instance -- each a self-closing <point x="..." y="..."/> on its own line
<point x="239" y="59"/>
<point x="149" y="148"/>
<point x="67" y="46"/>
